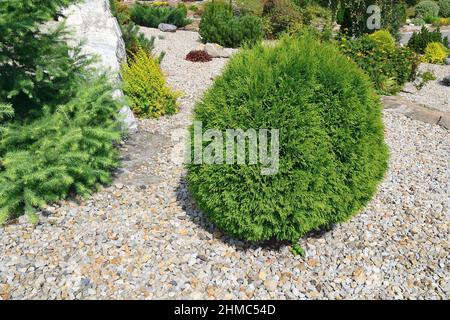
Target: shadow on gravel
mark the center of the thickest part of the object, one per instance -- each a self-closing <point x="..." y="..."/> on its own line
<point x="209" y="231"/>
<point x="136" y="158"/>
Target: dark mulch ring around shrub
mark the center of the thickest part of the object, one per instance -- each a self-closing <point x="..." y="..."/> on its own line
<point x="198" y="56"/>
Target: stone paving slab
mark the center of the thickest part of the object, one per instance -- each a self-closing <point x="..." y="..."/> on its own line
<point x="416" y="111"/>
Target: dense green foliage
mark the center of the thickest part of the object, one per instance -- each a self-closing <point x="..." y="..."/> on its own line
<point x="58" y="123"/>
<point x="6" y="111"/>
<point x="254" y="7"/>
<point x="152" y="16"/>
<point x="383" y="38"/>
<point x="418" y="21"/>
<point x="444" y="8"/>
<point x="419" y="41"/>
<point x="439" y="22"/>
<point x="435" y="52"/>
<point x="389" y="67"/>
<point x="282" y="15"/>
<point x="427" y="8"/>
<point x="34" y="66"/>
<point x="332" y="153"/>
<point x="219" y="25"/>
<point x="145" y="85"/>
<point x="132" y="38"/>
<point x="285" y="15"/>
<point x="354" y="15"/>
<point x="65" y="151"/>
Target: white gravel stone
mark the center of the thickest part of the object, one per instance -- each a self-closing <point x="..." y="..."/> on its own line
<point x="434" y="94"/>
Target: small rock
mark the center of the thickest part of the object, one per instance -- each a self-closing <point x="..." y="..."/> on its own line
<point x="200" y="47"/>
<point x="409" y="88"/>
<point x="174" y="283"/>
<point x="262" y="276"/>
<point x="312" y="262"/>
<point x="270" y="285"/>
<point x="415" y="230"/>
<point x="211" y="291"/>
<point x="196" y="296"/>
<point x="359" y="275"/>
<point x="202" y="257"/>
<point x="216" y="51"/>
<point x="166" y="27"/>
<point x="85" y="282"/>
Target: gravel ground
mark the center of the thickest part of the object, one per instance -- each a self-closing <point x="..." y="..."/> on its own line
<point x="434" y="94"/>
<point x="143" y="238"/>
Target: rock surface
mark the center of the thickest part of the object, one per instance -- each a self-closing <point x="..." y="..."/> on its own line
<point x="416" y="111"/>
<point x="216" y="51"/>
<point x="92" y="22"/>
<point x="166" y="27"/>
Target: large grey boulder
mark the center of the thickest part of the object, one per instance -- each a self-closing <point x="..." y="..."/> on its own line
<point x="91" y="21"/>
<point x="166" y="27"/>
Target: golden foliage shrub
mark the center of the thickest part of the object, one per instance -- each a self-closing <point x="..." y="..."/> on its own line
<point x="435" y="52"/>
<point x="145" y="85"/>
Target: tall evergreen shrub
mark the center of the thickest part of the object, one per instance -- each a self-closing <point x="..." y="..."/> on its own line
<point x="219" y="25"/>
<point x="58" y="121"/>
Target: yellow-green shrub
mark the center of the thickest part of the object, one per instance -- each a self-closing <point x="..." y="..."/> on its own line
<point x="439" y="22"/>
<point x="145" y="85"/>
<point x="388" y="68"/>
<point x="383" y="38"/>
<point x="435" y="52"/>
<point x="160" y="3"/>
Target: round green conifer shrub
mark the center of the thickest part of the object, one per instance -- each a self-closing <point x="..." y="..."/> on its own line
<point x="332" y="153"/>
<point x="427" y="8"/>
